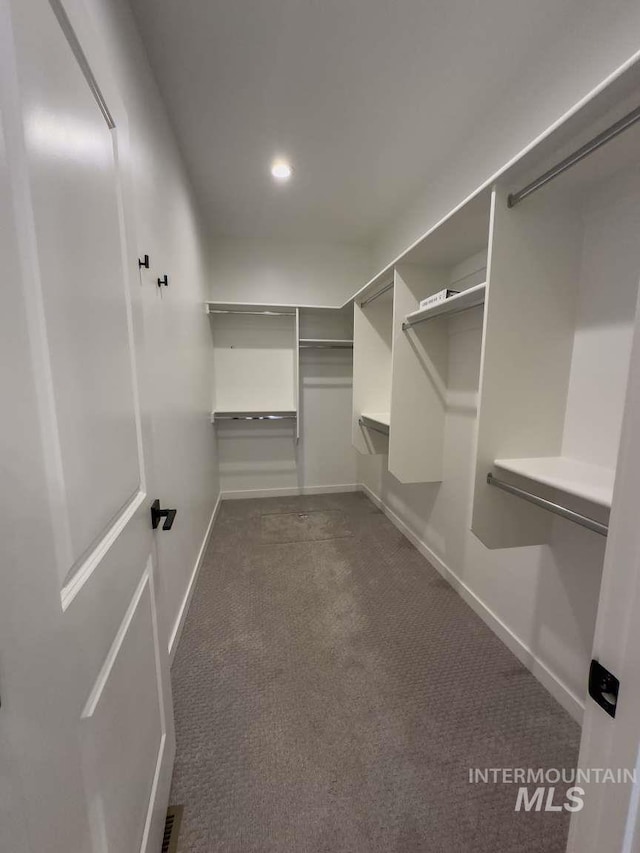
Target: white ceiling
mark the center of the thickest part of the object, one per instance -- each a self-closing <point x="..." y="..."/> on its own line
<point x="366" y="97"/>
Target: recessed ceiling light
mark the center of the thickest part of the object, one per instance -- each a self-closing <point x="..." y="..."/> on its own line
<point x="281" y="170"/>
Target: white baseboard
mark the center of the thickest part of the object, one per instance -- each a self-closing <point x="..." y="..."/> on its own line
<point x="186" y="601"/>
<point x="243" y="494"/>
<point x="569" y="701"/>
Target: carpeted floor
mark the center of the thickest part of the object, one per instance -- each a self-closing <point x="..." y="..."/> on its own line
<point x="332" y="692"/>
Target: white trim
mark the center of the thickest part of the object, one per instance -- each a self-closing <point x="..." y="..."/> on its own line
<point x="291" y="491"/>
<point x="103" y="676"/>
<point x="186" y="601"/>
<point x="81" y="573"/>
<point x="145" y="846"/>
<point x="569" y="701"/>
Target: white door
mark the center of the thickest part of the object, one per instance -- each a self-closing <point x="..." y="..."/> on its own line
<point x="86" y="729"/>
<point x="610" y="819"/>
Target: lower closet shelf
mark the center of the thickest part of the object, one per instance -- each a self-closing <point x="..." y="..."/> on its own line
<point x="571" y="476"/>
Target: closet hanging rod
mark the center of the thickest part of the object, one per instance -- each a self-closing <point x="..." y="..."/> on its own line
<point x="369" y="424"/>
<point x="588" y="148"/>
<point x="254" y="416"/>
<point x="558" y="509"/>
<point x="253" y="313"/>
<point x="376" y="294"/>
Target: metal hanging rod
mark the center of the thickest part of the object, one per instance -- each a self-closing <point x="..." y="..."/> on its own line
<point x="374" y="425"/>
<point x="588" y="148"/>
<point x="558" y="509"/>
<point x="375" y="295"/>
<point x="254" y="313"/>
<point x="254" y="416"/>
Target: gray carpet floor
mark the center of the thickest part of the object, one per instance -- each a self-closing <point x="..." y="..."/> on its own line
<point x="332" y="691"/>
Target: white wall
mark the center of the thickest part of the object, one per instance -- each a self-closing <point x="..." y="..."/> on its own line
<point x="291" y="272"/>
<point x="169" y="230"/>
<point x="263" y="458"/>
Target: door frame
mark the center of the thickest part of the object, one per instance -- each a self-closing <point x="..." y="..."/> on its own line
<point x="610" y="817"/>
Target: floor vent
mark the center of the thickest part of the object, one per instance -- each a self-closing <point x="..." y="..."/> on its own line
<point x="172" y="829"/>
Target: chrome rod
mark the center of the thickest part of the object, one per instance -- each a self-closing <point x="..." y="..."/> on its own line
<point x="377" y="294"/>
<point x="254" y="416"/>
<point x="558" y="509"/>
<point x="251" y="313"/>
<point x="369" y="424"/>
<point x="588" y="148"/>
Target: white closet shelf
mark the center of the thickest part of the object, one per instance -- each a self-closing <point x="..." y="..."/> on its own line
<point x="470" y="298"/>
<point x="378" y="421"/>
<point x="591" y="482"/>
<point x="325" y="343"/>
<point x="213" y="307"/>
<point x="225" y="415"/>
<point x="383" y="418"/>
<point x="239" y="308"/>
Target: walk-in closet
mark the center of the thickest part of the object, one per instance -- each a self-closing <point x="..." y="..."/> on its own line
<point x="320" y="363"/>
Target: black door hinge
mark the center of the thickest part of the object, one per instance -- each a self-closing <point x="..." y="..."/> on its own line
<point x="164" y="280"/>
<point x="144" y="262"/>
<point x="603" y="687"/>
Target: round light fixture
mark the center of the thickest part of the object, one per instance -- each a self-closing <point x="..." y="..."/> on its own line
<point x="281" y="170"/>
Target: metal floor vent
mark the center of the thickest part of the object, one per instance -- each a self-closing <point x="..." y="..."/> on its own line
<point x="172" y="829"/>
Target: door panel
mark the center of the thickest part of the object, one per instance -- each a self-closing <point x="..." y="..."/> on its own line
<point x="126" y="699"/>
<point x="75" y="202"/>
<point x="86" y="727"/>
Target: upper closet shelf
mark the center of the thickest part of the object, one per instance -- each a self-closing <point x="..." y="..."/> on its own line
<point x="590" y="482"/>
<point x="214" y="307"/>
<point x="325" y="343"/>
<point x="453" y="305"/>
<point x="240" y="308"/>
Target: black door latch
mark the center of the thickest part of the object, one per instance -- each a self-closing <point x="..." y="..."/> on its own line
<point x="157" y="513"/>
<point x="603" y="687"/>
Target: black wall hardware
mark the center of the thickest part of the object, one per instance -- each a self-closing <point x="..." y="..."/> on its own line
<point x="144" y="262"/>
<point x="164" y="280"/>
<point x="603" y="687"/>
<point x="169" y="516"/>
